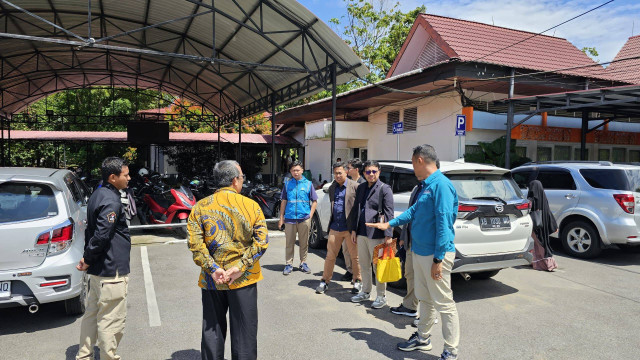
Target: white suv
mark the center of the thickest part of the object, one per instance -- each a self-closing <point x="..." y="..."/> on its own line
<point x="493" y="228"/>
<point x="42" y="222"/>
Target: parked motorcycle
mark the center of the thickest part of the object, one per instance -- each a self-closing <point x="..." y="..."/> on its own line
<point x="268" y="199"/>
<point x="165" y="205"/>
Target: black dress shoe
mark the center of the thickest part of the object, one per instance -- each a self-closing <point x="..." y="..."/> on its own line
<point x="347" y="276"/>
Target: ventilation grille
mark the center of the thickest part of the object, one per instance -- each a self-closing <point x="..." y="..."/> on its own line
<point x="392" y="117"/>
<point x="410" y="119"/>
<point x="430" y="55"/>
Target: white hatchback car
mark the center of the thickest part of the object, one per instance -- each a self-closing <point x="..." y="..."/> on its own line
<point x="42" y="222"/>
<point x="493" y="229"/>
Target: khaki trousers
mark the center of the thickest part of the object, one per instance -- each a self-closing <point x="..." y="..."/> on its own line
<point x="336" y="238"/>
<point x="302" y="231"/>
<point x="365" y="256"/>
<point x="347" y="254"/>
<point x="436" y="295"/>
<point x="410" y="301"/>
<point x="104" y="317"/>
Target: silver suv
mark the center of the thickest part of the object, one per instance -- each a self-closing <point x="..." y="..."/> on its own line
<point x="594" y="203"/>
<point x="42" y="222"/>
<point x="493" y="227"/>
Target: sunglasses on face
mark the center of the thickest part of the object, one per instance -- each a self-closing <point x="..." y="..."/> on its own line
<point x="371" y="172"/>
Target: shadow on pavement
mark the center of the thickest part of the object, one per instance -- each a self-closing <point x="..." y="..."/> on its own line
<point x="18" y="320"/>
<point x="190" y="354"/>
<point x="385" y="344"/>
<point x="72" y="351"/>
<point x="479" y="289"/>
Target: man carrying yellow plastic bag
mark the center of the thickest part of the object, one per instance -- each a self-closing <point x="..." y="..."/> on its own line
<point x="433" y="251"/>
<point x="388" y="268"/>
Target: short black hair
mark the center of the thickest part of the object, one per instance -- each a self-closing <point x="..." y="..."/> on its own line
<point x="339" y="164"/>
<point x="356" y="163"/>
<point x="371" y="163"/>
<point x="427" y="153"/>
<point x="296" y="163"/>
<point x="112" y="165"/>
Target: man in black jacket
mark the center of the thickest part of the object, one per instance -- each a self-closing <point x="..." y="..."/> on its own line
<point x="106" y="260"/>
<point x="374" y="202"/>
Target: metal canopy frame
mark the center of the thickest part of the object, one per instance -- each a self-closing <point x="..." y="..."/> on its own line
<point x="235" y="58"/>
<point x="605" y="104"/>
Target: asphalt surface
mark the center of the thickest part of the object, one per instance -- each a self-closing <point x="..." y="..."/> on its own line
<point x="585" y="310"/>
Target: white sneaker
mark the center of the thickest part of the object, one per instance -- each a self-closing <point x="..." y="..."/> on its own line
<point x="362" y="296"/>
<point x="321" y="288"/>
<point x="380" y="302"/>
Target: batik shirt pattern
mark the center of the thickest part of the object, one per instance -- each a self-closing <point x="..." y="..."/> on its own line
<point x="227" y="229"/>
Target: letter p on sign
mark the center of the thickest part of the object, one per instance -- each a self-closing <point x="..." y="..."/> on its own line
<point x="461" y="121"/>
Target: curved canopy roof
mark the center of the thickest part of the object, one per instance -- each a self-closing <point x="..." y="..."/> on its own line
<point x="227" y="55"/>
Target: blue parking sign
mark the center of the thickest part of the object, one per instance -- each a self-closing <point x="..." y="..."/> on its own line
<point x="461" y="125"/>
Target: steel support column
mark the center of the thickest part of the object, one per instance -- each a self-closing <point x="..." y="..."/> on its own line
<point x="507" y="153"/>
<point x="2" y="140"/>
<point x="219" y="141"/>
<point x="583" y="135"/>
<point x="273" y="140"/>
<point x="334" y="104"/>
<point x="239" y="138"/>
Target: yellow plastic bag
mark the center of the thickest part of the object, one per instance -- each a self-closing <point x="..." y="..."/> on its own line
<point x="388" y="269"/>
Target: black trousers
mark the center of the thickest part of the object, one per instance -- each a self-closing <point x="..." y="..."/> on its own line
<point x="242" y="305"/>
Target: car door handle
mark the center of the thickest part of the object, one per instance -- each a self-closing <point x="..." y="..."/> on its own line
<point x="569" y="196"/>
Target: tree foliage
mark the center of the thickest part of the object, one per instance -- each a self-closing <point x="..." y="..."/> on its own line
<point x="376" y="31"/>
<point x="493" y="153"/>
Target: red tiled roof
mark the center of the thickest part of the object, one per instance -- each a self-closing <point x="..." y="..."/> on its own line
<point x="627" y="70"/>
<point x="473" y="41"/>
<point x="121" y="136"/>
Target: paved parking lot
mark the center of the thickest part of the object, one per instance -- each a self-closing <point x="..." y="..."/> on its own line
<point x="586" y="310"/>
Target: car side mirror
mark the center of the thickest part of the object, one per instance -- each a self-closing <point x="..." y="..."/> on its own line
<point x="325" y="188"/>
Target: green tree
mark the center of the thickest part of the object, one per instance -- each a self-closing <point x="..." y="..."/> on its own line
<point x="376" y="31"/>
<point x="493" y="153"/>
<point x="591" y="52"/>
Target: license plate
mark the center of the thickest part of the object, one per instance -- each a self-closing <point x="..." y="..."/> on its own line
<point x="5" y="290"/>
<point x="495" y="223"/>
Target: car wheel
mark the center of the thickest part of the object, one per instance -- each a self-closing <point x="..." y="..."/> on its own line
<point x="276" y="211"/>
<point x="315" y="233"/>
<point x="580" y="239"/>
<point x="484" y="275"/>
<point x="77" y="305"/>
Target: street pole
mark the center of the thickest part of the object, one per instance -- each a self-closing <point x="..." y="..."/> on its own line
<point x="507" y="155"/>
<point x="333" y="114"/>
<point x="273" y="140"/>
<point x="397" y="146"/>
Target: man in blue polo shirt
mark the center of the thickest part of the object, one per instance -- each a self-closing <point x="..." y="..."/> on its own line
<point x="299" y="201"/>
<point x="432" y="218"/>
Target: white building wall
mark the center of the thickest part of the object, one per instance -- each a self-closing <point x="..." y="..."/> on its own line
<point x="318" y="157"/>
<point x="436" y="126"/>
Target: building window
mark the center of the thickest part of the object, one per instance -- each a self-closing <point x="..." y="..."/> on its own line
<point x="576" y="154"/>
<point x="392" y="118"/>
<point x="619" y="155"/>
<point x="410" y="119"/>
<point x="562" y="153"/>
<point x="472" y="149"/>
<point x="634" y="155"/>
<point x="544" y="154"/>
<point x="521" y="151"/>
<point x="604" y="154"/>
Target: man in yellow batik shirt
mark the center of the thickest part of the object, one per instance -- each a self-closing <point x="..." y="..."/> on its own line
<point x="227" y="236"/>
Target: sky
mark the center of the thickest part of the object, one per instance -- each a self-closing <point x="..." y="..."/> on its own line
<point x="606" y="29"/>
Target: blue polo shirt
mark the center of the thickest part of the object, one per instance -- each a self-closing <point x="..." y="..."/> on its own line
<point x="432" y="217"/>
<point x="339" y="222"/>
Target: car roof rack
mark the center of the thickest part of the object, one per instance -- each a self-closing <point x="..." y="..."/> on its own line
<point x="603" y="163"/>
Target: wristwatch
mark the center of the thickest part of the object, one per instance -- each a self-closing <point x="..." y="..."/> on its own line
<point x="437" y="261"/>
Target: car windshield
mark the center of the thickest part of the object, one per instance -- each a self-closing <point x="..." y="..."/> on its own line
<point x="613" y="179"/>
<point x="486" y="187"/>
<point x="26" y="201"/>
